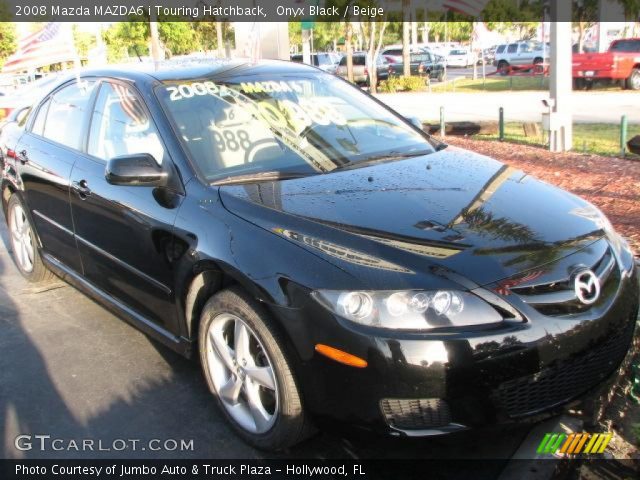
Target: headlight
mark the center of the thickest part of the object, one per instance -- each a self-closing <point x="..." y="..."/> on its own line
<point x="409" y="309"/>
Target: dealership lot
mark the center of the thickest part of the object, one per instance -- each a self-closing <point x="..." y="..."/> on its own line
<point x="71" y="370"/>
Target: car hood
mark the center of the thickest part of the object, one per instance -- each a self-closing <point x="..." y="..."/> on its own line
<point x="469" y="214"/>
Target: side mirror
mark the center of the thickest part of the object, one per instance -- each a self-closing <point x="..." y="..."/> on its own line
<point x="415" y="121"/>
<point x="139" y="169"/>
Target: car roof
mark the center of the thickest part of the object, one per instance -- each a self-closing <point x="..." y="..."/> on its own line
<point x="200" y="68"/>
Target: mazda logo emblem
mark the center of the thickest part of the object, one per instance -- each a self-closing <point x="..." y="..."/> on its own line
<point x="587" y="286"/>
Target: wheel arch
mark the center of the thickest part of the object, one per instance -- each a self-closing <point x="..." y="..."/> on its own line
<point x="207" y="278"/>
<point x="6" y="190"/>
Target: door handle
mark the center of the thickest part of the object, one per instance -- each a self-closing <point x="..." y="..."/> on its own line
<point x="81" y="188"/>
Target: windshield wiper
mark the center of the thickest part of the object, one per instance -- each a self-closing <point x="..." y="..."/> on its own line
<point x="382" y="158"/>
<point x="259" y="177"/>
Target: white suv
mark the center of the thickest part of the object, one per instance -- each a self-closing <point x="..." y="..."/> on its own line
<point x="520" y="53"/>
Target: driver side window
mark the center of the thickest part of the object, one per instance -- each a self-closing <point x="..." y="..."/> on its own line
<point x="120" y="125"/>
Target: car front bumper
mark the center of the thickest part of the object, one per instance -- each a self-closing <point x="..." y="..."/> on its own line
<point x="422" y="384"/>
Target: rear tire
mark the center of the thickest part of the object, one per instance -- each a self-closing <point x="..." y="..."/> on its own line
<point x="633" y="82"/>
<point x="24" y="244"/>
<point x="579" y="84"/>
<point x="538" y="68"/>
<point x="440" y="77"/>
<point x="267" y="414"/>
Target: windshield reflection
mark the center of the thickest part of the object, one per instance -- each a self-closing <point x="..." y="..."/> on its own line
<point x="303" y="124"/>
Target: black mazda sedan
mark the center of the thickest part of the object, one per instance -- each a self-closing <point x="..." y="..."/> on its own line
<point x="322" y="256"/>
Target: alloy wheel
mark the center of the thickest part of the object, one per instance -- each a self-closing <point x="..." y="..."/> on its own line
<point x="21" y="238"/>
<point x="635" y="80"/>
<point x="242" y="373"/>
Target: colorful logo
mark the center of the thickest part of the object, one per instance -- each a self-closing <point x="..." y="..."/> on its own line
<point x="574" y="443"/>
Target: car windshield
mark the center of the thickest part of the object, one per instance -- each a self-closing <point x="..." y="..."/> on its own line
<point x="458" y="52"/>
<point x="294" y="124"/>
<point x="626" y="46"/>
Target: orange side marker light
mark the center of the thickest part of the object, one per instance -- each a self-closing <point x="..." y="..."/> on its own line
<point x="340" y="356"/>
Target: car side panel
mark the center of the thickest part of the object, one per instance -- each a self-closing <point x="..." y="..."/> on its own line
<point x="44" y="169"/>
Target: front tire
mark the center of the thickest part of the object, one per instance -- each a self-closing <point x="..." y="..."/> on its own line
<point x="24" y="243"/>
<point x="246" y="369"/>
<point x="503" y="68"/>
<point x="633" y="82"/>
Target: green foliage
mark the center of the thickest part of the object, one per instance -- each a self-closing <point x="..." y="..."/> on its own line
<point x="402" y="84"/>
<point x="631" y="8"/>
<point x="8" y="42"/>
<point x="451" y="31"/>
<point x="127" y="39"/>
<point x="391" y="85"/>
<point x="131" y="39"/>
<point x="295" y="35"/>
<point x="502" y="11"/>
<point x="84" y="42"/>
<point x="414" y="84"/>
<point x="178" y="37"/>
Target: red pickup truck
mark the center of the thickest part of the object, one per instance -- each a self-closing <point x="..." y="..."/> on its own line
<point x="621" y="63"/>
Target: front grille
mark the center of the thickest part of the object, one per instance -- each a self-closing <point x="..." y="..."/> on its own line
<point x="415" y="413"/>
<point x="566" y="380"/>
<point x="558" y="298"/>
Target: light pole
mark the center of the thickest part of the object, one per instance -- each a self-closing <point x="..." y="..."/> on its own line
<point x="560" y="117"/>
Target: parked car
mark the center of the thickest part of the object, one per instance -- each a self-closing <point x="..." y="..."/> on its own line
<point x="11" y="128"/>
<point x="25" y="95"/>
<point x="361" y="68"/>
<point x="487" y="55"/>
<point x="393" y="53"/>
<point x="423" y="63"/>
<point x="461" y="57"/>
<point x="327" y="61"/>
<point x="320" y="255"/>
<point x="520" y="54"/>
<point x="620" y="63"/>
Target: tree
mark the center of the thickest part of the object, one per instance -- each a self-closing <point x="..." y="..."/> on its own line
<point x="406" y="51"/>
<point x="131" y="39"/>
<point x="83" y="41"/>
<point x="373" y="43"/>
<point x="349" y="47"/>
<point x="126" y="39"/>
<point x="205" y="33"/>
<point x="7" y="40"/>
<point x="586" y="12"/>
<point x="179" y="38"/>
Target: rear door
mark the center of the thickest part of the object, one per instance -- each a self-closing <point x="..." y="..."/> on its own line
<point x="124" y="233"/>
<point x="511" y="55"/>
<point x="45" y="156"/>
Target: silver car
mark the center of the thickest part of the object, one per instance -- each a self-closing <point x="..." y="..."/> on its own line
<point x="521" y="53"/>
<point x="361" y="68"/>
